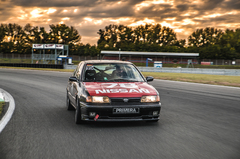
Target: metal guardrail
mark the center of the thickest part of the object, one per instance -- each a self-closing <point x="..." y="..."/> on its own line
<point x="43" y="56"/>
<point x="230" y="72"/>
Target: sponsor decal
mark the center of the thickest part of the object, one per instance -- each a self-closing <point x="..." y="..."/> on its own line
<point x="59" y="46"/>
<point x="122" y="85"/>
<point x="124" y="88"/>
<point x="50" y="46"/>
<point x="36" y="46"/>
<point x="125" y="110"/>
<point x="141" y="90"/>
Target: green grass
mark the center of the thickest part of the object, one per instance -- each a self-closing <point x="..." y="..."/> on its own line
<point x="4" y="60"/>
<point x="38" y="69"/>
<point x="1" y="109"/>
<point x="195" y="66"/>
<point x="1" y="106"/>
<point x="197" y="78"/>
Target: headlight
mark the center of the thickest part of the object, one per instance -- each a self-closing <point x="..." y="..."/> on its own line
<point x="97" y="99"/>
<point x="150" y="99"/>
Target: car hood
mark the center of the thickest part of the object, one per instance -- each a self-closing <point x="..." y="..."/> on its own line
<point x="119" y="89"/>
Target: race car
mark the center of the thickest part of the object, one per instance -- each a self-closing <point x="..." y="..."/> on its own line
<point x="109" y="90"/>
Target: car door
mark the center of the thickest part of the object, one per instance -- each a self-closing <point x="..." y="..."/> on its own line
<point x="76" y="86"/>
<point x="71" y="84"/>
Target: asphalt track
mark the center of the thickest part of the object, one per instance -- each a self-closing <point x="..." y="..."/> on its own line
<point x="197" y="121"/>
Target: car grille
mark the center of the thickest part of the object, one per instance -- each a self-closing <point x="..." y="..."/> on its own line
<point x="125" y="101"/>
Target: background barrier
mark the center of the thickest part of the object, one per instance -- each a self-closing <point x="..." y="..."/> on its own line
<point x="55" y="66"/>
<point x="230" y="72"/>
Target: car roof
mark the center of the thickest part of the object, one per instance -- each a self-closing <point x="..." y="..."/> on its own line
<point x="106" y="61"/>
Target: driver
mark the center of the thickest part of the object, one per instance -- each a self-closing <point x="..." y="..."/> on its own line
<point x="119" y="72"/>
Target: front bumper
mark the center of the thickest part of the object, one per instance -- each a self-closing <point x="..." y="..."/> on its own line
<point x="107" y="114"/>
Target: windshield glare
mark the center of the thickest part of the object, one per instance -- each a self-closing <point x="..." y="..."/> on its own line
<point x="111" y="73"/>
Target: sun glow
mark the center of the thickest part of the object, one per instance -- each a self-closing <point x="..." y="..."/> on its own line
<point x="212" y="15"/>
<point x="120" y="20"/>
<point x="51" y="10"/>
<point x="143" y="22"/>
<point x="97" y="22"/>
<point x="91" y="21"/>
<point x="66" y="18"/>
<point x="178" y="30"/>
<point x="188" y="21"/>
<point x="36" y="13"/>
<point x="170" y="19"/>
<point x="197" y="2"/>
<point x="153" y="2"/>
<point x="164" y="23"/>
<point x="88" y="19"/>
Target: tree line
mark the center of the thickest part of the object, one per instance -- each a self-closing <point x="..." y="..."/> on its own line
<point x="211" y="43"/>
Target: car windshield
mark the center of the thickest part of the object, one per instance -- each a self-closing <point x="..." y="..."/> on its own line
<point x="111" y="73"/>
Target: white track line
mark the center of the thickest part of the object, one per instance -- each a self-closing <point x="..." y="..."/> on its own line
<point x="7" y="116"/>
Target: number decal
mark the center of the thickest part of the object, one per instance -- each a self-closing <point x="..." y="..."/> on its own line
<point x="128" y="85"/>
<point x="110" y="85"/>
<point x="122" y="85"/>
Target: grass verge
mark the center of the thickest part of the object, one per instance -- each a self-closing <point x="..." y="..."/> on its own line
<point x="197" y="78"/>
<point x="1" y="109"/>
<point x="2" y="103"/>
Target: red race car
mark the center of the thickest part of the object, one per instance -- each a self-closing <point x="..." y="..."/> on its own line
<point x="103" y="90"/>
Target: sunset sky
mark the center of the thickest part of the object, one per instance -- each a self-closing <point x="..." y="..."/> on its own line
<point x="88" y="16"/>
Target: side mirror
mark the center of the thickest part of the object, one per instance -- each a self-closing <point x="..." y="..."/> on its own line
<point x="149" y="78"/>
<point x="73" y="79"/>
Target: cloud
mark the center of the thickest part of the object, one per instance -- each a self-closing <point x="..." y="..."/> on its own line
<point x="232" y="4"/>
<point x="182" y="7"/>
<point x="54" y="3"/>
<point x="88" y="16"/>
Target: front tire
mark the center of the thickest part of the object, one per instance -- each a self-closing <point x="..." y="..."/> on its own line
<point x="69" y="105"/>
<point x="78" y="119"/>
